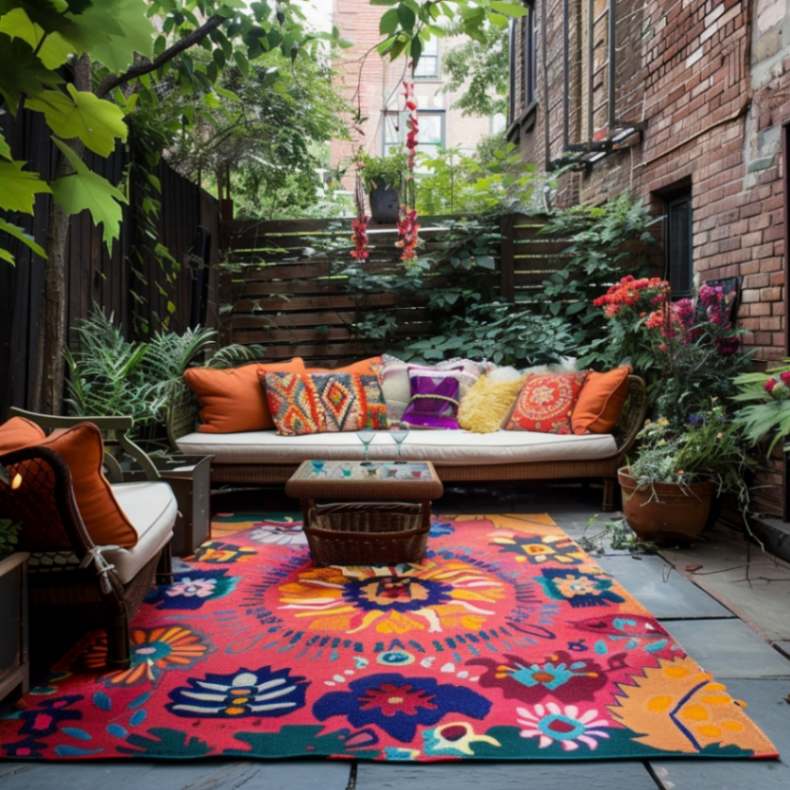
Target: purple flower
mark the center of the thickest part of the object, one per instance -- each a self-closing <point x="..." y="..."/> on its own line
<point x="397" y="704"/>
<point x="695" y="420"/>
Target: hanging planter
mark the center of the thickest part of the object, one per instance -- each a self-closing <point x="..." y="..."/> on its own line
<point x="383" y="179"/>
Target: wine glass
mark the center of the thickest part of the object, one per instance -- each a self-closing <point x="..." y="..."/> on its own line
<point x="366" y="437"/>
<point x="399" y="437"/>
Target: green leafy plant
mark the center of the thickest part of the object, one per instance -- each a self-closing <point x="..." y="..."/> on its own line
<point x="110" y="375"/>
<point x="495" y="178"/>
<point x="710" y="447"/>
<point x="605" y="242"/>
<point x="9" y="535"/>
<point x="385" y="172"/>
<point x="614" y="534"/>
<point x="765" y="411"/>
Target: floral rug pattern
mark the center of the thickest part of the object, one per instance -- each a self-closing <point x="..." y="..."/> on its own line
<point x="506" y="643"/>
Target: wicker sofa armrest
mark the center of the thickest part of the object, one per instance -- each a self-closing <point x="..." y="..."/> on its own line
<point x="181" y="415"/>
<point x="114" y="431"/>
<point x="633" y="415"/>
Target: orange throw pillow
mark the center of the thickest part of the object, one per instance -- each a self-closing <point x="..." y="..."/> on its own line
<point x="82" y="450"/>
<point x="19" y="432"/>
<point x="546" y="402"/>
<point x="362" y="367"/>
<point x="601" y="400"/>
<point x="231" y="399"/>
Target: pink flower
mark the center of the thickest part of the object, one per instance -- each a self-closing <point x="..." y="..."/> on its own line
<point x="785" y="376"/>
<point x="769" y="385"/>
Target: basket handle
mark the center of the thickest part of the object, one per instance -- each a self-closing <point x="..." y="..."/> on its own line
<point x="412" y="508"/>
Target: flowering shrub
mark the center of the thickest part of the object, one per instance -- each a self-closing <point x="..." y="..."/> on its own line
<point x="688" y="350"/>
<point x="766" y="413"/>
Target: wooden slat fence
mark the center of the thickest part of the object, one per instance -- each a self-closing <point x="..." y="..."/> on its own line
<point x="189" y="227"/>
<point x="278" y="293"/>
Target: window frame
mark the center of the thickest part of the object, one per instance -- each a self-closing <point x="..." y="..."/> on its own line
<point x="529" y="55"/>
<point x="672" y="203"/>
<point x="400" y="117"/>
<point x="436" y="57"/>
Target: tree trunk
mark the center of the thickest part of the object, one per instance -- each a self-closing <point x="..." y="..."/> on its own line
<point x="52" y="343"/>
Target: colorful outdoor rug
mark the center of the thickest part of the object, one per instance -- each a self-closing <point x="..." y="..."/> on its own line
<point x="506" y="643"/>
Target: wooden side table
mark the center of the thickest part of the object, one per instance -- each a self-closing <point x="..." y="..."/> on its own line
<point x="14" y="661"/>
<point x="190" y="479"/>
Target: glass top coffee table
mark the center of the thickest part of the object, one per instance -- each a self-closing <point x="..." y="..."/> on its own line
<point x="368" y="486"/>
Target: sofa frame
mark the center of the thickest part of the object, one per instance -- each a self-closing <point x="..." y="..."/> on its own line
<point x="182" y="417"/>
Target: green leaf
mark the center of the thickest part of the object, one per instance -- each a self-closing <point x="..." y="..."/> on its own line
<point x="81" y="114"/>
<point x="53" y="52"/>
<point x="389" y="22"/>
<point x="88" y="190"/>
<point x="20" y="235"/>
<point x="406" y="17"/>
<point x="509" y="9"/>
<point x="18" y="187"/>
<point x="5" y="255"/>
<point x="5" y="148"/>
<point x="21" y="73"/>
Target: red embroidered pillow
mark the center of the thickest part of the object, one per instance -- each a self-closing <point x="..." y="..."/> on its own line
<point x="546" y="402"/>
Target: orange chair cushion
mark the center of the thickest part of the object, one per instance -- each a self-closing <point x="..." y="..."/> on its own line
<point x="600" y="401"/>
<point x="362" y="367"/>
<point x="232" y="400"/>
<point x="19" y="432"/>
<point x="82" y="450"/>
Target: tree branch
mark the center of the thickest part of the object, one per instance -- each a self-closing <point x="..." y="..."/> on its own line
<point x="139" y="69"/>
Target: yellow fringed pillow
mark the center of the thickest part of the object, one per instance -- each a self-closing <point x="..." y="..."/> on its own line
<point x="487" y="405"/>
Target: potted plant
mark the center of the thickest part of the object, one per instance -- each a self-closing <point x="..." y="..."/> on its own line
<point x="383" y="180"/>
<point x="14" y="671"/>
<point x="669" y="488"/>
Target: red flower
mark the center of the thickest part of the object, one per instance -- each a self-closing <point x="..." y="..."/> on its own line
<point x="391" y="700"/>
<point x="359" y="227"/>
<point x="769" y="385"/>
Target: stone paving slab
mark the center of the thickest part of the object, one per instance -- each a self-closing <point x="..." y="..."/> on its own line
<point x="767" y="706"/>
<point x="760" y="599"/>
<point x="664" y="591"/>
<point x="728" y="648"/>
<point x="506" y="776"/>
<point x="303" y="775"/>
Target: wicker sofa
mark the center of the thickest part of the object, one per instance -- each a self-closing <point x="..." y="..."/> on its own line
<point x="259" y="457"/>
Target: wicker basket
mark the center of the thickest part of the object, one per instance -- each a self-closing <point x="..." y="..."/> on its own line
<point x="366" y="533"/>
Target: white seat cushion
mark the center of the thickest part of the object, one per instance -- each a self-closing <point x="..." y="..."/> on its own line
<point x="151" y="509"/>
<point x="448" y="448"/>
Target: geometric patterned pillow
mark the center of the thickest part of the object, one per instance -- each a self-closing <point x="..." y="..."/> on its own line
<point x="546" y="402"/>
<point x="294" y="403"/>
<point x="350" y="401"/>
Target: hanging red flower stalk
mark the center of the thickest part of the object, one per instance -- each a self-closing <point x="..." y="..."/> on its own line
<point x="359" y="225"/>
<point x="408" y="227"/>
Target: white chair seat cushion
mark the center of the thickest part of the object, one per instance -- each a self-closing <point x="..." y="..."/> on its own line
<point x="447" y="448"/>
<point x="151" y="509"/>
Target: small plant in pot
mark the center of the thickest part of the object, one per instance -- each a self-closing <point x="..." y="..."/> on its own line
<point x="383" y="179"/>
<point x="669" y="488"/>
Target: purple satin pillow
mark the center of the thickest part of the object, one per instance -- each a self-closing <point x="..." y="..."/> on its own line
<point x="434" y="400"/>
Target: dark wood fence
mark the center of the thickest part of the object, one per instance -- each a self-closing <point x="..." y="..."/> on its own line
<point x="189" y="227"/>
<point x="278" y="293"/>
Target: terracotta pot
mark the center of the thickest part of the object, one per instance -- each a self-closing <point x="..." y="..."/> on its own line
<point x="666" y="513"/>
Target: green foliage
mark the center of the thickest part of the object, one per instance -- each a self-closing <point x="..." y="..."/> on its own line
<point x="408" y="24"/>
<point x="9" y="535"/>
<point x="613" y="534"/>
<point x="481" y="69"/>
<point x="709" y="448"/>
<point x="605" y="242"/>
<point x="494" y="178"/>
<point x="503" y="333"/>
<point x="110" y="375"/>
<point x="383" y="171"/>
<point x="765" y="413"/>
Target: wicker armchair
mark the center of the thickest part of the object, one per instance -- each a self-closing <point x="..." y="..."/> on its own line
<point x="69" y="574"/>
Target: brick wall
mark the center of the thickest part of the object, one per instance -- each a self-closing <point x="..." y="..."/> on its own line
<point x="710" y="81"/>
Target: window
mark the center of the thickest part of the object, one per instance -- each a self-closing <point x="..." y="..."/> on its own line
<point x="680" y="264"/>
<point x="529" y="63"/>
<point x="428" y="64"/>
<point x="432" y="131"/>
